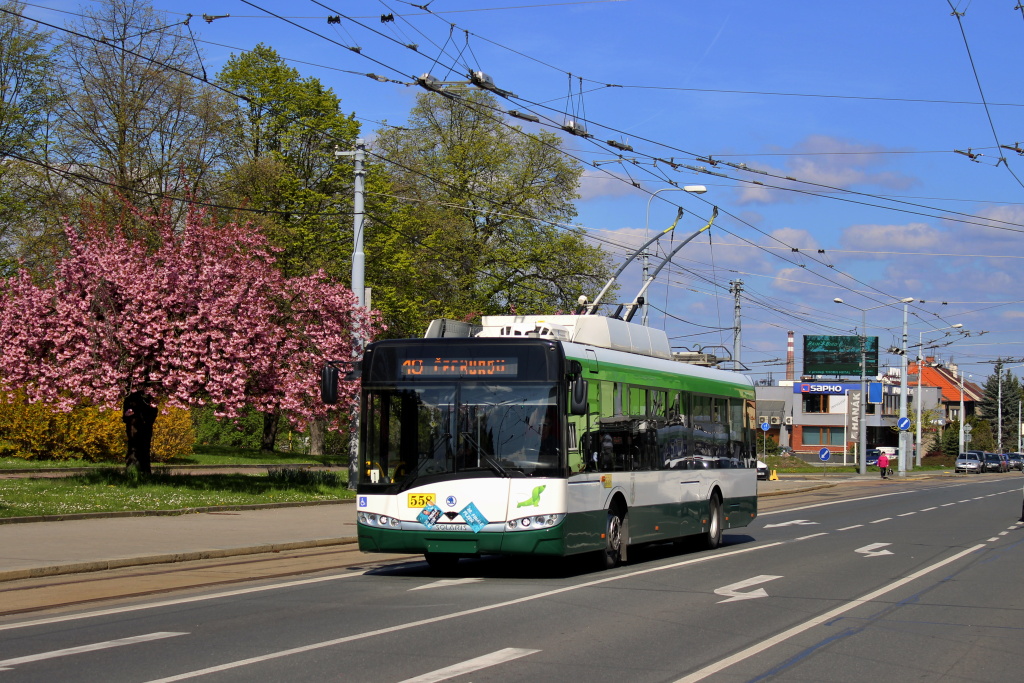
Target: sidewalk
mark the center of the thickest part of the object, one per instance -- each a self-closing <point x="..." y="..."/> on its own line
<point x="38" y="549"/>
<point x="50" y="548"/>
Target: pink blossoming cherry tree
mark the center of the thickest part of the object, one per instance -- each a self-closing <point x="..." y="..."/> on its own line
<point x="203" y="316"/>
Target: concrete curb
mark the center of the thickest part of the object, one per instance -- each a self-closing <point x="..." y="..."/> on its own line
<point x="169" y="558"/>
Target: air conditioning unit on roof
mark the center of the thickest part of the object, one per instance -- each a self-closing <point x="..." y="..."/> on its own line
<point x="762" y="419"/>
<point x="775" y="420"/>
<point x="788" y="420"/>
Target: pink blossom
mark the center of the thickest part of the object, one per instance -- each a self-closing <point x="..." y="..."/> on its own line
<point x="205" y="317"/>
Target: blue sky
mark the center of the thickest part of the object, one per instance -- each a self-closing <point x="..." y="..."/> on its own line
<point x="860" y="105"/>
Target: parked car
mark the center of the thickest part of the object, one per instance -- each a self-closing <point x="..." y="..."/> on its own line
<point x="969" y="462"/>
<point x="872" y="458"/>
<point x="1006" y="462"/>
<point x="1016" y="461"/>
<point x="762" y="471"/>
<point x="993" y="463"/>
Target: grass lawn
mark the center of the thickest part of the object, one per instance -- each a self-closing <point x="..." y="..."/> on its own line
<point x="112" y="490"/>
<point x="202" y="456"/>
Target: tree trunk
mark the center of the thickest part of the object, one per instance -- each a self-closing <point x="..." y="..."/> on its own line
<point x="139" y="413"/>
<point x="316" y="437"/>
<point x="269" y="439"/>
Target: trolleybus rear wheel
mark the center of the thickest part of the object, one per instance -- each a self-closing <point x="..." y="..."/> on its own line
<point x="713" y="537"/>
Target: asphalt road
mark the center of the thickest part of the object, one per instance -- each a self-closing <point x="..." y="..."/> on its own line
<point x="909" y="581"/>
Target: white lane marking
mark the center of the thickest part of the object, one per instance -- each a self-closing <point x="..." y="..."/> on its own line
<point x="931" y="508"/>
<point x="946" y="505"/>
<point x="733" y="589"/>
<point x="874" y="550"/>
<point x="798" y="522"/>
<point x="771" y="642"/>
<point x="8" y="664"/>
<point x="907" y="514"/>
<point x="964" y="501"/>
<point x="444" y="583"/>
<point x="804" y="538"/>
<point x="471" y="665"/>
<point x="832" y="502"/>
<point x="847" y="528"/>
<point x="883" y="519"/>
<point x="1003" y="533"/>
<point x="455" y="615"/>
<point x="978" y="498"/>
<point x="176" y="601"/>
<point x="994" y="538"/>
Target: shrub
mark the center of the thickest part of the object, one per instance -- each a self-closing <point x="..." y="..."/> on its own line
<point x="37" y="431"/>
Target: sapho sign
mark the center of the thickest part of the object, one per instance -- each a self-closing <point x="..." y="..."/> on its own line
<point x="821" y="389"/>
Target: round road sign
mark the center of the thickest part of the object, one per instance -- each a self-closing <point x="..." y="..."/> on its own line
<point x="903" y="423"/>
<point x="765" y="426"/>
<point x="823" y="454"/>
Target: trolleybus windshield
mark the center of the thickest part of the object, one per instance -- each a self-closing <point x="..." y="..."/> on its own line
<point x="449" y="428"/>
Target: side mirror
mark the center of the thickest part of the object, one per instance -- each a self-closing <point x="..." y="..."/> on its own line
<point x="578" y="396"/>
<point x="575" y="370"/>
<point x="329" y="384"/>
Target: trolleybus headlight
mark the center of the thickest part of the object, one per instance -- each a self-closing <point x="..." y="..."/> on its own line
<point x="525" y="523"/>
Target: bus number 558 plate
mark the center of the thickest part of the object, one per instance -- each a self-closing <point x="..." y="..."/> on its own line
<point x="421" y="500"/>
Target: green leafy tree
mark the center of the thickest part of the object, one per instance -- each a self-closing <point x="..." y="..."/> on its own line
<point x="27" y="75"/>
<point x="283" y="138"/>
<point x="482" y="228"/>
<point x="1001" y="397"/>
<point x="950" y="440"/>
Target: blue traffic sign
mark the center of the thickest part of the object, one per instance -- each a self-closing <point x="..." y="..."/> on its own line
<point x="903" y="423"/>
<point x="824" y="454"/>
<point x="765" y="426"/>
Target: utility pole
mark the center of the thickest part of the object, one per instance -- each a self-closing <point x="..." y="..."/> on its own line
<point x="999" y="419"/>
<point x="736" y="289"/>
<point x="904" y="465"/>
<point x="358" y="286"/>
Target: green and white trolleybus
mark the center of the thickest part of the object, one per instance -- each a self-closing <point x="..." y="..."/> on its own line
<point x="548" y="435"/>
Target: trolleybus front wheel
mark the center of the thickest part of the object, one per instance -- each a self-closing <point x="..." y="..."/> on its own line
<point x="612" y="553"/>
<point x="441" y="563"/>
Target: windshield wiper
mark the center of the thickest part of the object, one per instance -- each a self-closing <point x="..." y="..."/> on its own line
<point x="491" y="462"/>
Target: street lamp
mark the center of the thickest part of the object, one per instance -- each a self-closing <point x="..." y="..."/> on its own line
<point x="863" y="436"/>
<point x="920" y="374"/>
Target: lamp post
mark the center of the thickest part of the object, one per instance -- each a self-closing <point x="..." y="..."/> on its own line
<point x="962" y="416"/>
<point x="920" y="375"/>
<point x="863" y="436"/>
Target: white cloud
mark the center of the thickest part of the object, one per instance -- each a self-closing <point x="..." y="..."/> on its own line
<point x="820" y="160"/>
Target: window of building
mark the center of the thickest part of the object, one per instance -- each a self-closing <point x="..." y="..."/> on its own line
<point x="815" y="403"/>
<point x="824" y="436"/>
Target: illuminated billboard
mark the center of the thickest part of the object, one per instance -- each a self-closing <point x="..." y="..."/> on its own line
<point x="826" y="354"/>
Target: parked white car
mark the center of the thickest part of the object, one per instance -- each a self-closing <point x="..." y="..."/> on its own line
<point x="969" y="462"/>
